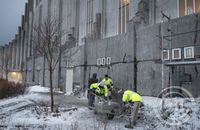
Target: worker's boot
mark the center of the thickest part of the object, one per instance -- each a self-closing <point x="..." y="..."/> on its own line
<point x="129" y="126"/>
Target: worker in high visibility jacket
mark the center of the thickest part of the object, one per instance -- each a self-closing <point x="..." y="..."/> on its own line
<point x="130" y="96"/>
<point x="99" y="89"/>
<point x="108" y="81"/>
<point x="91" y="94"/>
<point x="135" y="100"/>
<point x="102" y="90"/>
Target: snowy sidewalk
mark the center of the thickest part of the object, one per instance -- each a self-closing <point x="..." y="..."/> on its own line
<point x="27" y="112"/>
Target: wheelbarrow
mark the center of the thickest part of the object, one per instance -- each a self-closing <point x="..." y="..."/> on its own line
<point x="106" y="107"/>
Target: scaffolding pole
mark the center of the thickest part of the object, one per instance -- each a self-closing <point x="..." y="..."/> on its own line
<point x="162" y="67"/>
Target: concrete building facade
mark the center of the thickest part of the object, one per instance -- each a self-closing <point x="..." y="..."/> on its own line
<point x="126" y="39"/>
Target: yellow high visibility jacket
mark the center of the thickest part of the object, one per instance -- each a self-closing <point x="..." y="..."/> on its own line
<point x="108" y="82"/>
<point x="102" y="91"/>
<point x="130" y="96"/>
<point x="94" y="86"/>
<point x="98" y="90"/>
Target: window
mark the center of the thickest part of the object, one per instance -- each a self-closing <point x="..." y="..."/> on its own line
<point x="89" y="16"/>
<point x="108" y="60"/>
<point x="123" y="15"/>
<point x="188" y="52"/>
<point x="103" y="61"/>
<point x="99" y="61"/>
<point x="176" y="54"/>
<point x="187" y="7"/>
<point x="165" y="55"/>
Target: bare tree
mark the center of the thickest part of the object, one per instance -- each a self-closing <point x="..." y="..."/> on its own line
<point x="47" y="42"/>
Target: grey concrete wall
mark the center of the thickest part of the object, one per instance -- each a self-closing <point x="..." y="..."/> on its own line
<point x="29" y="70"/>
<point x="119" y="48"/>
<point x="30" y="40"/>
<point x="133" y="8"/>
<point x="82" y="21"/>
<point x="73" y="58"/>
<point x="1" y="61"/>
<point x="148" y="54"/>
<point x="186" y="24"/>
<point x="39" y="70"/>
<point x="194" y="86"/>
<point x="169" y="7"/>
<point x="112" y="18"/>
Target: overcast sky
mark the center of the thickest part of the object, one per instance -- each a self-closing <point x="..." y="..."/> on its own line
<point x="10" y="18"/>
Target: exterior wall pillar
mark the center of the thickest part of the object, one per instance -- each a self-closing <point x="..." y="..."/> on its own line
<point x="17" y="53"/>
<point x="1" y="62"/>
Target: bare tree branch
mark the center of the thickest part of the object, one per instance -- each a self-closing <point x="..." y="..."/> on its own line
<point x="47" y="42"/>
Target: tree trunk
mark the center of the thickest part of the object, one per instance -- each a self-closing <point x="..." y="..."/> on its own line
<point x="6" y="74"/>
<point x="51" y="88"/>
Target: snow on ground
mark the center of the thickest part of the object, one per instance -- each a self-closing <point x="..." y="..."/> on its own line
<point x="38" y="88"/>
<point x="36" y="115"/>
<point x="41" y="89"/>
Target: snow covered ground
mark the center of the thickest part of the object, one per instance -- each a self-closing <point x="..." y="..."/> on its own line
<point x="31" y="112"/>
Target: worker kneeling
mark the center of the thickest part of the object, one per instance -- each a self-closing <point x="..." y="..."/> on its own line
<point x="135" y="100"/>
<point x="98" y="89"/>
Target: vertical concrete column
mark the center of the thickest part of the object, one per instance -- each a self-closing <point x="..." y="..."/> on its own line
<point x="6" y="60"/>
<point x="19" y="46"/>
<point x="22" y="50"/>
<point x="3" y="67"/>
<point x="13" y="54"/>
<point x="17" y="52"/>
<point x="152" y="11"/>
<point x="3" y="49"/>
<point x="60" y="29"/>
<point x="25" y="43"/>
<point x="10" y="55"/>
<point x="22" y="42"/>
<point x="1" y="61"/>
<point x="26" y="46"/>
